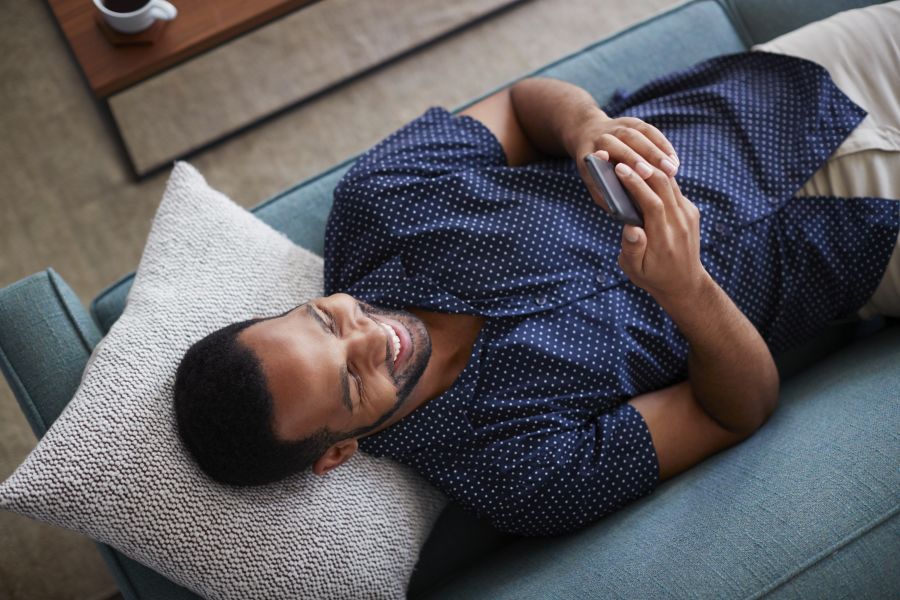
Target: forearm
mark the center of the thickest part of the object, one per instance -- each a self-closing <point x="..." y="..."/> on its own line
<point x="731" y="370"/>
<point x="550" y="111"/>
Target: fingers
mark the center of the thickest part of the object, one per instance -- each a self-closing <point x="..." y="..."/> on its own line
<point x="629" y="145"/>
<point x="656" y="136"/>
<point x="634" y="245"/>
<point x="651" y="205"/>
<point x="690" y="209"/>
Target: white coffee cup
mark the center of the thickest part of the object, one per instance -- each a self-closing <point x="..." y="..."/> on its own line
<point x="140" y="19"/>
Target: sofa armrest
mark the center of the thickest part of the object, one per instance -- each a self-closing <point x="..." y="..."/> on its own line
<point x="46" y="338"/>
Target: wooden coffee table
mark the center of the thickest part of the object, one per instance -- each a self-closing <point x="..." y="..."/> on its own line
<point x="200" y="25"/>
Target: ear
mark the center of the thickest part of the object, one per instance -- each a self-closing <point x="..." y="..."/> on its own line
<point x="335" y="456"/>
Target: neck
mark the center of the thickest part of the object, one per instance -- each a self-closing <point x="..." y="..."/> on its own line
<point x="452" y="339"/>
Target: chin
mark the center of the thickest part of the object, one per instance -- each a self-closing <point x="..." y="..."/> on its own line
<point x="415" y="358"/>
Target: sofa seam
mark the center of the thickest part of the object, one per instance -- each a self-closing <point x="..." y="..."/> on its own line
<point x="817" y="558"/>
<point x="13" y="377"/>
<point x="105" y="292"/>
<point x="110" y="554"/>
<point x="78" y="328"/>
<point x="738" y="19"/>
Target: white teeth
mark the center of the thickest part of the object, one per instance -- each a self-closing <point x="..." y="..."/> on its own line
<point x="394" y="338"/>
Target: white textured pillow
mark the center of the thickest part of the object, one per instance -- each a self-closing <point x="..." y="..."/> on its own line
<point x="113" y="467"/>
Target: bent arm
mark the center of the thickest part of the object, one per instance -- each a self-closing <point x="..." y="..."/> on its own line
<point x="536" y="118"/>
<point x="552" y="113"/>
<point x="539" y="117"/>
<point x="732" y="373"/>
<point x="731" y="391"/>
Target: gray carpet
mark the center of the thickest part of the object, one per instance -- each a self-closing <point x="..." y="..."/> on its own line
<point x="68" y="200"/>
<point x="304" y="53"/>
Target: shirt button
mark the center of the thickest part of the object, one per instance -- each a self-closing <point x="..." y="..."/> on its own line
<point x="600" y="278"/>
<point x="720" y="228"/>
<point x="540" y="300"/>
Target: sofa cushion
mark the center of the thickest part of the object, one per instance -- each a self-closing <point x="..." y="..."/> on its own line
<point x="113" y="467"/>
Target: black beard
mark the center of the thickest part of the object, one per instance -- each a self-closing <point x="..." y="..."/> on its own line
<point x="418" y="360"/>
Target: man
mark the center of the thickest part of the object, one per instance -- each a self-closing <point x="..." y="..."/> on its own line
<point x="487" y="324"/>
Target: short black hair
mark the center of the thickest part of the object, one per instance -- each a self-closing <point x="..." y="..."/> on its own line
<point x="223" y="408"/>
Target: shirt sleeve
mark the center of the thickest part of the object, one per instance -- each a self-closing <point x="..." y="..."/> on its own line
<point x="556" y="481"/>
<point x="432" y="145"/>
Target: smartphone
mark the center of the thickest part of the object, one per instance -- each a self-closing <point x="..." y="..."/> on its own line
<point x="623" y="207"/>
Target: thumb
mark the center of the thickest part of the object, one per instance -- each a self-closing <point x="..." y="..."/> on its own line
<point x="634" y="243"/>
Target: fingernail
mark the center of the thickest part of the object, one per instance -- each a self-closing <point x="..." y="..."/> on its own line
<point x="643" y="169"/>
<point x="631" y="236"/>
<point x="602" y="154"/>
<point x="623" y="169"/>
<point x="668" y="166"/>
<point x="675" y="159"/>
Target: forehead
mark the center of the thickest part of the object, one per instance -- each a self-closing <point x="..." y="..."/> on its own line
<point x="300" y="364"/>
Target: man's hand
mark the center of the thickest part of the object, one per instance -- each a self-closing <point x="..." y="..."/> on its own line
<point x="731" y="371"/>
<point x="557" y="118"/>
<point x="663" y="257"/>
<point x="627" y="140"/>
<point x="732" y="374"/>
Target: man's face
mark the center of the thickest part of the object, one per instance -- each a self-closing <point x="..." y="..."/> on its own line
<point x="331" y="363"/>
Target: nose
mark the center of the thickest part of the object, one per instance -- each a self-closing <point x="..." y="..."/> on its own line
<point x="365" y="339"/>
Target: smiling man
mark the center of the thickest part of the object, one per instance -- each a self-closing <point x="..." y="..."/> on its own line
<point x="379" y="364"/>
<point x="489" y="325"/>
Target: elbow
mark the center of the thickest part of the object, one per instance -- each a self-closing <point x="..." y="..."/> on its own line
<point x="765" y="403"/>
<point x="770" y="396"/>
<point x="770" y="406"/>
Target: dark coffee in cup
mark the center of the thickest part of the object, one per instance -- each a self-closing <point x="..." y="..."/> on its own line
<point x="125" y="6"/>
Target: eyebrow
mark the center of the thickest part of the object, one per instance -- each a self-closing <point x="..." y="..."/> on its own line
<point x="345" y="385"/>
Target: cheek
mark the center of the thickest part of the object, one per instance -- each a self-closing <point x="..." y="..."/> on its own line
<point x="386" y="392"/>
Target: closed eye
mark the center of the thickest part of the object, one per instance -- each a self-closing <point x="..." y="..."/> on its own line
<point x="359" y="387"/>
<point x="331" y="322"/>
<point x="357" y="378"/>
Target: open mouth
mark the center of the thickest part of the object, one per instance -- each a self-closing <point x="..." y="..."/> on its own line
<point x="393" y="340"/>
<point x="398" y="339"/>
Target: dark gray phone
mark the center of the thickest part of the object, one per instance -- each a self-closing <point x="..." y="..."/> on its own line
<point x="617" y="197"/>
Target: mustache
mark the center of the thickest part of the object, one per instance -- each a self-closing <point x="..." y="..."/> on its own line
<point x="412" y="375"/>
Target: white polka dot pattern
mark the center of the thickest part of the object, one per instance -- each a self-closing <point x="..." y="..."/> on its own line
<point x="112" y="465"/>
<point x="535" y="434"/>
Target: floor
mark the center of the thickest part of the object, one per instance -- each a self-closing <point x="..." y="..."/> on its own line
<point x="68" y="199"/>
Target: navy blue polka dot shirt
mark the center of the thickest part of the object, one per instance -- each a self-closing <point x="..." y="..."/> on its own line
<point x="536" y="434"/>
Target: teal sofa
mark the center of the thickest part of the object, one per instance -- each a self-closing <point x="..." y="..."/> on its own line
<point x="805" y="508"/>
